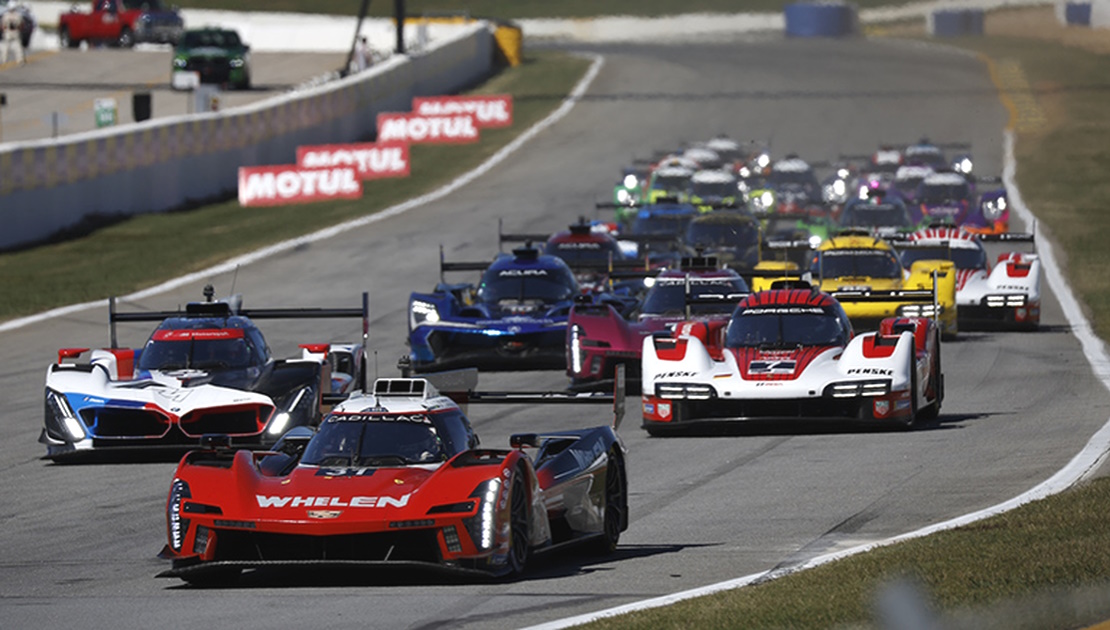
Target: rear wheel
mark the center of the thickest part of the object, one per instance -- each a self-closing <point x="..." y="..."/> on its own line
<point x="65" y="41"/>
<point x="936" y="386"/>
<point x="519" y="543"/>
<point x="616" y="505"/>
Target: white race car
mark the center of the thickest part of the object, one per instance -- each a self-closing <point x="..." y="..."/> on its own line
<point x="791" y="354"/>
<point x="1007" y="295"/>
<point x="206" y="369"/>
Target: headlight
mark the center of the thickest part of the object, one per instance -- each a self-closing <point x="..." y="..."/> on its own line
<point x="177" y="526"/>
<point x="575" y="349"/>
<point x="763" y="160"/>
<point x="422" y="313"/>
<point x="921" y="310"/>
<point x="839" y="188"/>
<point x="814" y="241"/>
<point x="60" y="418"/>
<point x="237" y="62"/>
<point x="482" y="526"/>
<point x="766" y="199"/>
<point x="297" y="405"/>
<point x="963" y="166"/>
<point x="630" y="181"/>
<point x="623" y="196"/>
<point x="179" y="62"/>
<point x="994" y="208"/>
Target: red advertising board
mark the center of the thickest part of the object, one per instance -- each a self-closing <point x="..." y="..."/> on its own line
<point x="491" y="110"/>
<point x="414" y="128"/>
<point x="288" y="184"/>
<point x="370" y="160"/>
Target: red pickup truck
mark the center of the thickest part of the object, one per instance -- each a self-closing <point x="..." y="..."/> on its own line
<point x="120" y="23"/>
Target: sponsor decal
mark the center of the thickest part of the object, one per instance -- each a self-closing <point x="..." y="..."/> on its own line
<point x="902" y="405"/>
<point x="772" y="367"/>
<point x="664" y="410"/>
<point x="199" y="334"/>
<point x="418" y="418"/>
<point x="345" y="471"/>
<point x="578" y="245"/>
<point x="324" y="513"/>
<point x="399" y="127"/>
<point x="331" y="502"/>
<point x="769" y="384"/>
<point x="489" y="111"/>
<point x="882" y="408"/>
<point x="521" y="272"/>
<point x="664" y="375"/>
<point x="370" y="160"/>
<point x="281" y="185"/>
<point x="874" y="371"/>
<point x="649" y="409"/>
<point x="784" y="310"/>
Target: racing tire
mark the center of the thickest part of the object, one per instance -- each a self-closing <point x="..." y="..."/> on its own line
<point x="126" y="38"/>
<point x="519" y="542"/>
<point x="64" y="41"/>
<point x="616" y="506"/>
<point x="936" y="383"/>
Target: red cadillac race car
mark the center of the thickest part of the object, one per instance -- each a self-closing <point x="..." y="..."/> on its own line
<point x="395" y="477"/>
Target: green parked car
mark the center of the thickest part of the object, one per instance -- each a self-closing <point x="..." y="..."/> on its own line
<point x="211" y="55"/>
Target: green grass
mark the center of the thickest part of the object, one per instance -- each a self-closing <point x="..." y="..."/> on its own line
<point x="105" y="262"/>
<point x="515" y="8"/>
<point x="1050" y="546"/>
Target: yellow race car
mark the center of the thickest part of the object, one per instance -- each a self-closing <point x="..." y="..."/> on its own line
<point x="863" y="273"/>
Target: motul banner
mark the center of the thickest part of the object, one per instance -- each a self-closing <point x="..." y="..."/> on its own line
<point x="414" y="128"/>
<point x="491" y="110"/>
<point x="370" y="160"/>
<point x="282" y="185"/>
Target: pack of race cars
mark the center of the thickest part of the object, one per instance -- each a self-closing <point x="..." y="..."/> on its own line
<point x="728" y="287"/>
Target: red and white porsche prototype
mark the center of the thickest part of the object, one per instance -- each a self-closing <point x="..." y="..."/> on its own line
<point x="791" y="354"/>
<point x="1007" y="295"/>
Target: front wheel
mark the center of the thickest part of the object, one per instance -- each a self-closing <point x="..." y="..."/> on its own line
<point x="519" y="542"/>
<point x="126" y="38"/>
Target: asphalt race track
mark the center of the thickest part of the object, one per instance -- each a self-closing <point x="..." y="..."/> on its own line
<point x="79" y="542"/>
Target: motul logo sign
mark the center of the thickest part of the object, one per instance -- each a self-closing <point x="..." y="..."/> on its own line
<point x="370" y="160"/>
<point x="281" y="185"/>
<point x="490" y="111"/>
<point x="458" y="129"/>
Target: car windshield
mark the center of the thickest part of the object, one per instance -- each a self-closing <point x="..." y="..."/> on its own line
<point x="964" y="257"/>
<point x="709" y="233"/>
<point x="660" y="224"/>
<point x="192" y="351"/>
<point x="714" y="189"/>
<point x="671" y="183"/>
<point x="668" y="296"/>
<point x="521" y="284"/>
<point x="927" y="155"/>
<point x="365" y="439"/>
<point x="785" y="327"/>
<point x="875" y="215"/>
<point x="585" y="253"/>
<point x="218" y="39"/>
<point x="908" y="184"/>
<point x="843" y="263"/>
<point x="943" y="193"/>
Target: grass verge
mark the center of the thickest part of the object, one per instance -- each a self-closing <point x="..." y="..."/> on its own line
<point x="147" y="249"/>
<point x="507" y="9"/>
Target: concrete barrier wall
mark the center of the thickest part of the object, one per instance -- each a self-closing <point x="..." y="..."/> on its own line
<point x="48" y="186"/>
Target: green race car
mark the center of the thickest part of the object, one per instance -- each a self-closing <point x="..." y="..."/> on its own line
<point x="211" y="55"/>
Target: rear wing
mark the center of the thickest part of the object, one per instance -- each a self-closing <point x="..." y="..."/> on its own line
<point x="211" y="308"/>
<point x="459" y="385"/>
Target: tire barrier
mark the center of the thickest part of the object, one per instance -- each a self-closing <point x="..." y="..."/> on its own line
<point x="820" y="19"/>
<point x="956" y="22"/>
<point x="53" y="186"/>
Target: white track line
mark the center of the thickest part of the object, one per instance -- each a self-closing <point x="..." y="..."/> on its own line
<point x="568" y="104"/>
<point x="1080" y="467"/>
